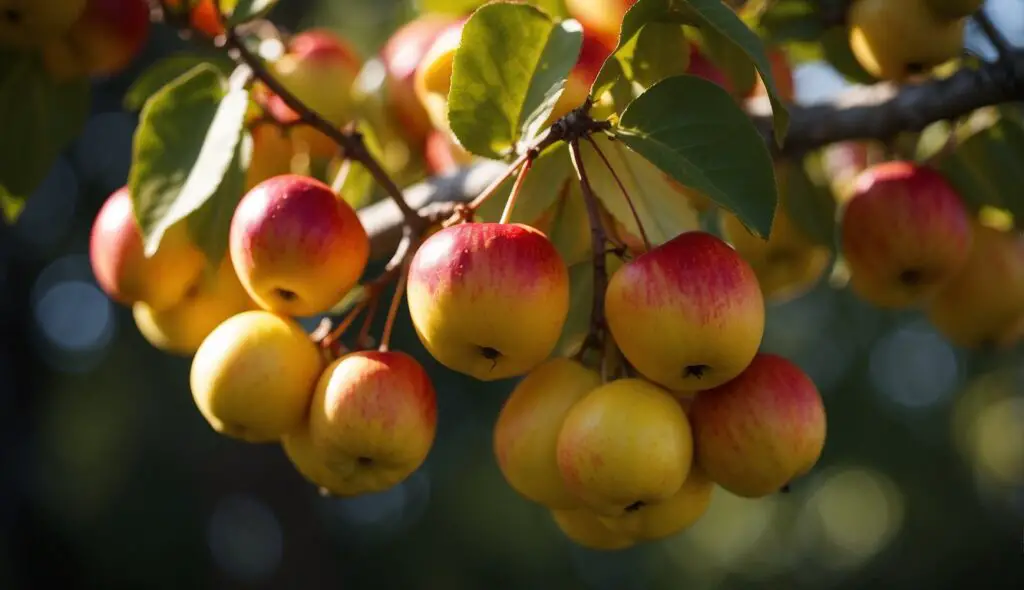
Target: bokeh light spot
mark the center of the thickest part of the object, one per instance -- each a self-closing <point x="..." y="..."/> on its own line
<point x="245" y="538"/>
<point x="49" y="210"/>
<point x="914" y="367"/>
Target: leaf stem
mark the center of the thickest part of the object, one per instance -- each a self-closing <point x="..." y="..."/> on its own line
<point x="625" y="193"/>
<point x="506" y="215"/>
<point x="596" y="336"/>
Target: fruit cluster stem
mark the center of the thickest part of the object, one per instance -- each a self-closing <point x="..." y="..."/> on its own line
<point x="625" y="193"/>
<point x="510" y="204"/>
<point x="596" y="336"/>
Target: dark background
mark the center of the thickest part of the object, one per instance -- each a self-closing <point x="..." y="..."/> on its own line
<point x="110" y="479"/>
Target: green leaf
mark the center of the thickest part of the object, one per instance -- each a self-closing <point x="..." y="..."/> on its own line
<point x="808" y="198"/>
<point x="209" y="224"/>
<point x="570" y="225"/>
<point x="358" y="185"/>
<point x="541" y="187"/>
<point x="581" y="300"/>
<point x="663" y="210"/>
<point x="730" y="58"/>
<point x="185" y="144"/>
<point x="985" y="168"/>
<point x="707" y="15"/>
<point x="508" y="71"/>
<point x="247" y="10"/>
<point x="661" y="51"/>
<point x="461" y="7"/>
<point x="695" y="132"/>
<point x="162" y="73"/>
<point x="39" y="118"/>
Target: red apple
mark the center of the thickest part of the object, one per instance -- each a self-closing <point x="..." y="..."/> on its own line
<point x="904" y="233"/>
<point x="297" y="247"/>
<point x="581" y="77"/>
<point x="488" y="300"/>
<point x="600" y="18"/>
<point x="689" y="314"/>
<point x="756" y="433"/>
<point x="102" y="42"/>
<point x="203" y="17"/>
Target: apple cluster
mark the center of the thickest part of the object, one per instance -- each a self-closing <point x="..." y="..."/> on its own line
<point x="621" y="460"/>
<point x="76" y="38"/>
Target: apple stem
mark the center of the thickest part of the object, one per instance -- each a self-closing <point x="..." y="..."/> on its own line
<point x="350" y="141"/>
<point x="596" y="336"/>
<point x="328" y="341"/>
<point x="506" y="215"/>
<point x="396" y="300"/>
<point x="625" y="193"/>
<point x="363" y="338"/>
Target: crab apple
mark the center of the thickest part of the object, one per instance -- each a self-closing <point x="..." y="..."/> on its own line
<point x="371" y="423"/>
<point x="30" y="23"/>
<point x="897" y="40"/>
<point x="319" y="67"/>
<point x="203" y="16"/>
<point x="488" y="299"/>
<point x="904" y="233"/>
<point x="626" y="444"/>
<point x="669" y="517"/>
<point x="526" y="432"/>
<point x="581" y="77"/>
<point x="982" y="305"/>
<point x="297" y="247"/>
<point x="254" y="376"/>
<point x="121" y="267"/>
<point x="689" y="314"/>
<point x="584" y="528"/>
<point x="600" y="18"/>
<point x="756" y="433"/>
<point x="103" y="41"/>
<point x="401" y="55"/>
<point x="443" y="154"/>
<point x="182" y="328"/>
<point x="433" y="76"/>
<point x="272" y="153"/>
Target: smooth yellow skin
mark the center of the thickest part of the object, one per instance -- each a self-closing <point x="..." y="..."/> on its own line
<point x="583" y="527"/>
<point x="182" y="328"/>
<point x="272" y="153"/>
<point x="954" y="8"/>
<point x="433" y="78"/>
<point x="787" y="264"/>
<point x="371" y="424"/>
<point x="526" y="432"/>
<point x="254" y="376"/>
<point x="32" y="23"/>
<point x="983" y="305"/>
<point x="310" y="462"/>
<point x="668" y="518"/>
<point x="896" y="39"/>
<point x="627" y="441"/>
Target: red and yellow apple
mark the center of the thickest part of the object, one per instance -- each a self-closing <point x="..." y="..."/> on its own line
<point x="31" y="23"/>
<point x="487" y="299"/>
<point x="689" y="314"/>
<point x="272" y="154"/>
<point x="904" y="233"/>
<point x="601" y="19"/>
<point x="297" y="247"/>
<point x="583" y="527"/>
<point x="756" y="433"/>
<point x="669" y="517"/>
<point x="103" y="41"/>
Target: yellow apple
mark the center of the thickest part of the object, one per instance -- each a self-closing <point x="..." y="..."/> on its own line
<point x="581" y="526"/>
<point x="756" y="433"/>
<point x="297" y="247"/>
<point x="121" y="267"/>
<point x="181" y="329"/>
<point x="488" y="300"/>
<point x="689" y="314"/>
<point x="526" y="432"/>
<point x="272" y="153"/>
<point x="30" y="23"/>
<point x="624" y="445"/>
<point x="983" y="304"/>
<point x="371" y="421"/>
<point x="254" y="376"/>
<point x="433" y="77"/>
<point x="669" y="517"/>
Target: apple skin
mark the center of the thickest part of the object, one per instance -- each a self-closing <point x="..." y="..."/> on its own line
<point x="626" y="444"/>
<point x="689" y="314"/>
<point x="433" y="76"/>
<point x="254" y="376"/>
<point x="121" y="268"/>
<point x="30" y="23"/>
<point x="527" y="428"/>
<point x="581" y="77"/>
<point x="181" y="329"/>
<point x="102" y="42"/>
<point x="272" y="154"/>
<point x="982" y="305"/>
<point x="204" y="15"/>
<point x="401" y="55"/>
<point x="600" y="18"/>
<point x="488" y="300"/>
<point x="443" y="155"/>
<point x="759" y="431"/>
<point x="583" y="527"/>
<point x="296" y="246"/>
<point x="895" y="41"/>
<point x="904" y="232"/>
<point x="670" y="517"/>
<point x="372" y="421"/>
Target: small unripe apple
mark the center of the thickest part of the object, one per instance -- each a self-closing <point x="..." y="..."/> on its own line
<point x="756" y="433"/>
<point x="31" y="23"/>
<point x="297" y="247"/>
<point x="689" y="314"/>
<point x="904" y="233"/>
<point x="487" y="299"/>
<point x="897" y="40"/>
<point x="107" y="36"/>
<point x="121" y="267"/>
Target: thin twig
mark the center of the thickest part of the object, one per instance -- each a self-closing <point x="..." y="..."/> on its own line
<point x="506" y="215"/>
<point x="344" y="325"/>
<point x="363" y="338"/>
<point x="396" y="301"/>
<point x="625" y="193"/>
<point x="596" y="335"/>
<point x="993" y="34"/>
